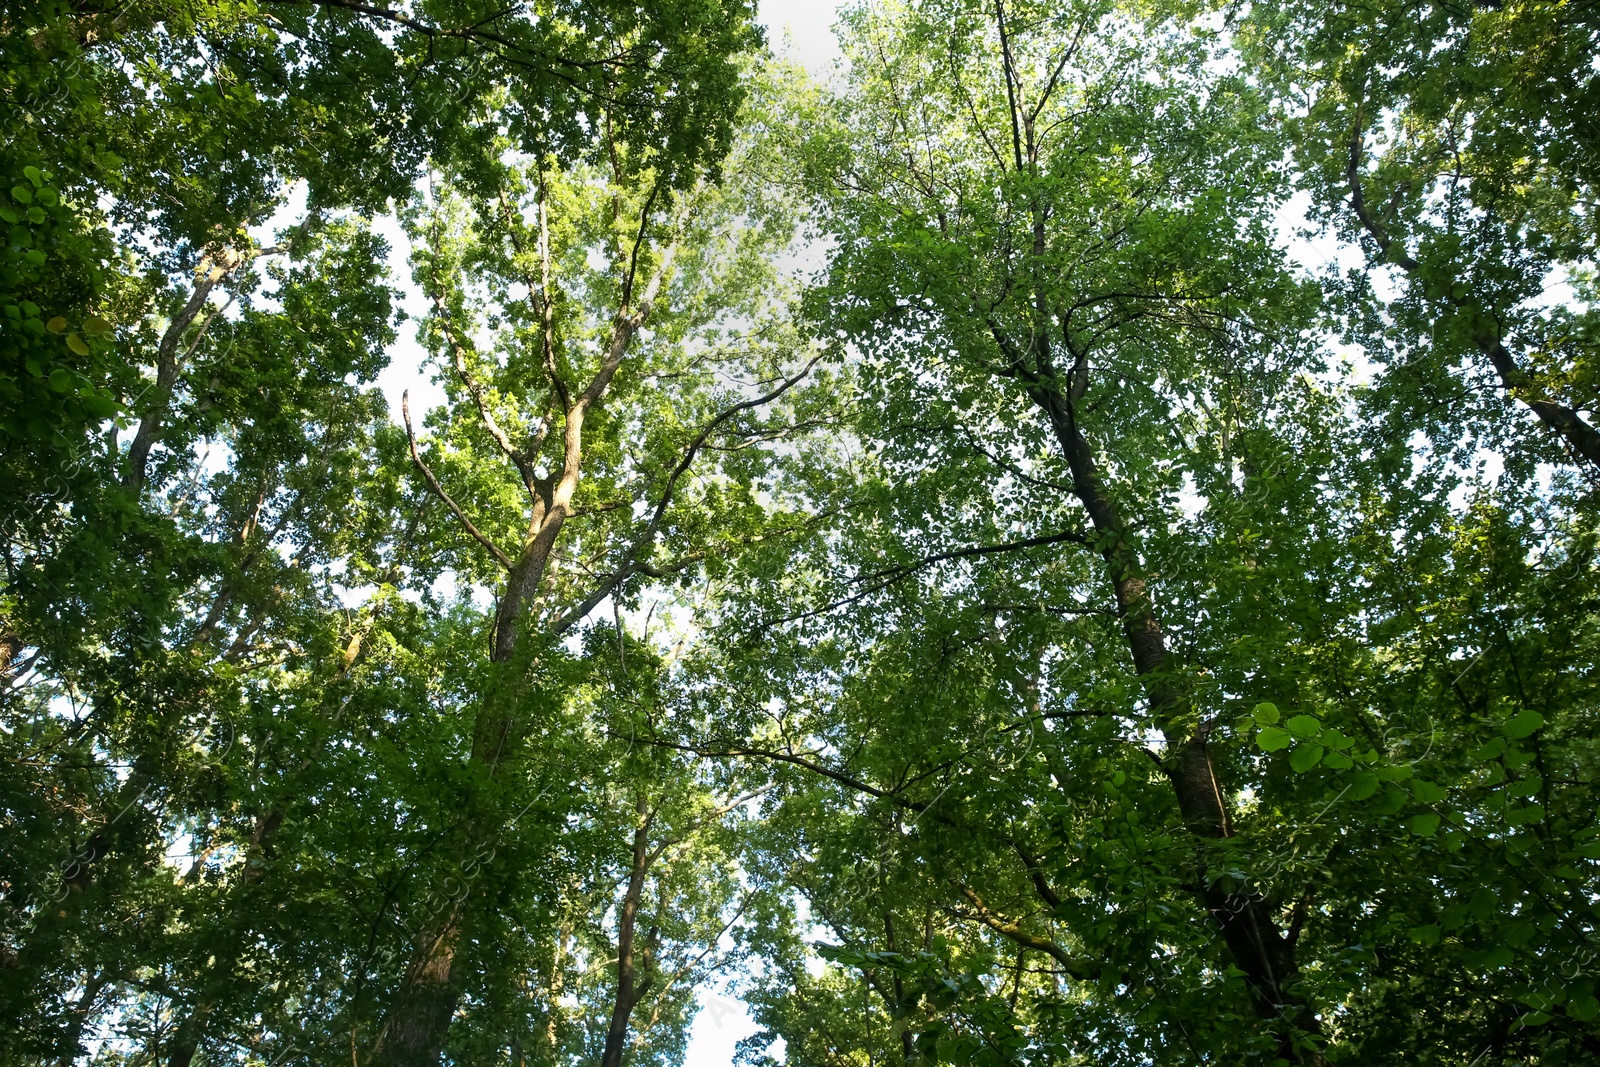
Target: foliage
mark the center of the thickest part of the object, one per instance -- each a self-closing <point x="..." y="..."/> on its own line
<point x="1063" y="629"/>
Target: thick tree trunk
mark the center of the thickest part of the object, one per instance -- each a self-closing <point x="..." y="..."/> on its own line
<point x="418" y="1021"/>
<point x="10" y="647"/>
<point x="1258" y="946"/>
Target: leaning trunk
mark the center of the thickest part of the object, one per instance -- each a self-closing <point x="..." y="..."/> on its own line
<point x="629" y="989"/>
<point x="414" y="1030"/>
<point x="1263" y="951"/>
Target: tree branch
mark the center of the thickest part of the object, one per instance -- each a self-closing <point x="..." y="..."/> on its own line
<point x="433" y="483"/>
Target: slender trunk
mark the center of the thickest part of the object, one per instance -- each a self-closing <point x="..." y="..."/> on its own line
<point x="225" y="959"/>
<point x="558" y="985"/>
<point x="72" y="1038"/>
<point x="168" y="364"/>
<point x="908" y="1040"/>
<point x="629" y="990"/>
<point x="1583" y="438"/>
<point x="1258" y="946"/>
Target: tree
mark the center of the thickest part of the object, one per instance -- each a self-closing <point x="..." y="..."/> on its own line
<point x="159" y="579"/>
<point x="1034" y="640"/>
<point x="635" y="339"/>
<point x="1121" y="498"/>
<point x="1454" y="141"/>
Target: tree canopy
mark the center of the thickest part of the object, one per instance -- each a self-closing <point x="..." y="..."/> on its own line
<point x="930" y="552"/>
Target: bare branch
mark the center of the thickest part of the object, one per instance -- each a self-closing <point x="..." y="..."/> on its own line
<point x="896" y="574"/>
<point x="1077" y="968"/>
<point x="433" y="483"/>
<point x="632" y="561"/>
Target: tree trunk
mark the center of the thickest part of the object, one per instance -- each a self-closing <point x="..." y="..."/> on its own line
<point x="1260" y="949"/>
<point x="73" y="1036"/>
<point x="414" y="1031"/>
<point x="168" y="363"/>
<point x="629" y="990"/>
<point x="225" y="960"/>
<point x="1583" y="438"/>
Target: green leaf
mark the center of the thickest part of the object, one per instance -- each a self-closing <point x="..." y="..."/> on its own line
<point x="1522" y="724"/>
<point x="1305" y="757"/>
<point x="1424" y="825"/>
<point x="1489" y="750"/>
<point x="1304" y="726"/>
<point x="77" y="344"/>
<point x="1336" y="738"/>
<point x="22" y="193"/>
<point x="1363" y="785"/>
<point x="1526" y="815"/>
<point x="1272" y="739"/>
<point x="1266" y="714"/>
<point x="1426" y="792"/>
<point x="1389" y="801"/>
<point x="34" y="175"/>
<point x="56" y="325"/>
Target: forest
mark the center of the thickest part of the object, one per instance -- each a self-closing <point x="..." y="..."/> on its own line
<point x="1070" y="539"/>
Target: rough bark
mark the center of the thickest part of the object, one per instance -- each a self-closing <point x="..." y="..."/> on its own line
<point x="11" y="647"/>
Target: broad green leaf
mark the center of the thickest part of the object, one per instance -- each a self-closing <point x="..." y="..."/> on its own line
<point x="1424" y="825"/>
<point x="1272" y="739"/>
<point x="1305" y="756"/>
<point x="1522" y="724"/>
<point x="1304" y="726"/>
